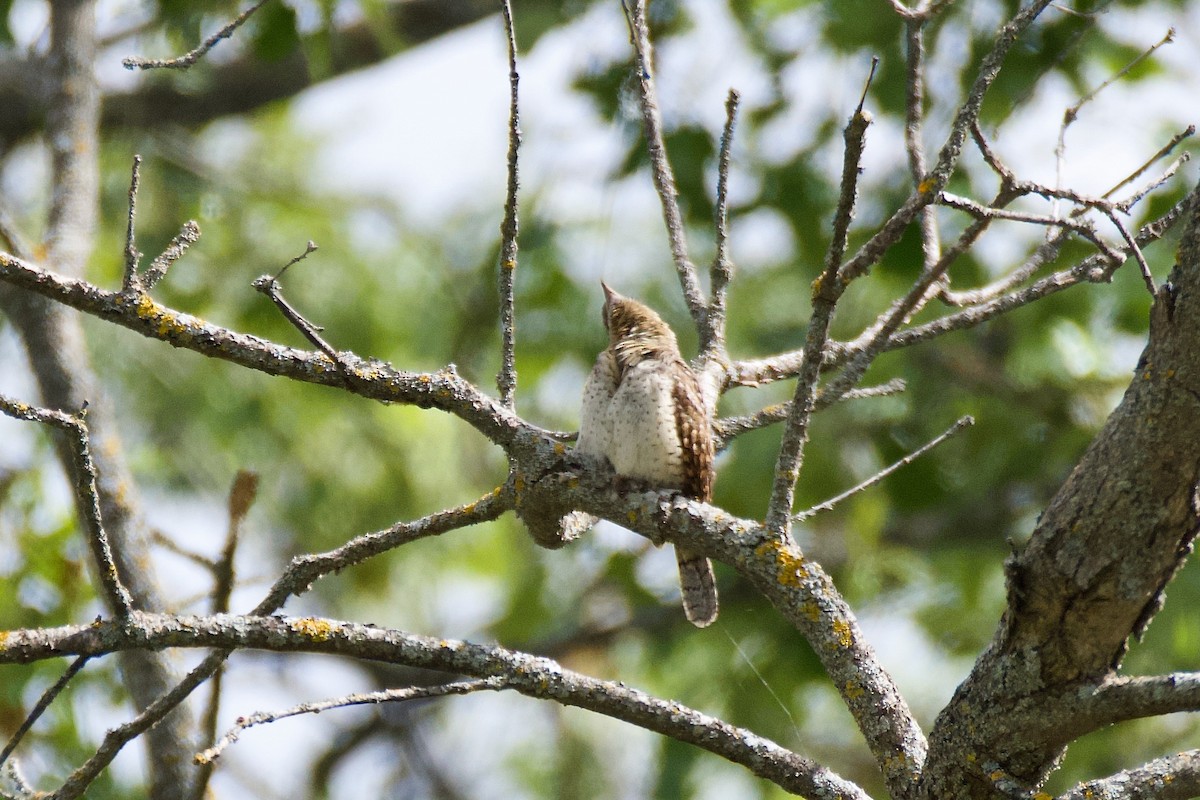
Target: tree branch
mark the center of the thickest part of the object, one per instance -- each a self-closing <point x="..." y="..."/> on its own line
<point x="506" y="380"/>
<point x="660" y="170"/>
<point x="721" y="272"/>
<point x="530" y="675"/>
<point x="1175" y="777"/>
<point x="827" y="290"/>
<point x="1095" y="568"/>
<point x="87" y="497"/>
<point x="444" y="389"/>
<point x="191" y="57"/>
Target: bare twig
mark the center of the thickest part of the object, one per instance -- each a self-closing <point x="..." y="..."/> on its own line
<point x="269" y="285"/>
<point x="88" y="497"/>
<point x="1072" y="113"/>
<point x="929" y="188"/>
<point x="241" y="497"/>
<point x="989" y="303"/>
<point x="1187" y="132"/>
<point x="443" y="389"/>
<point x="727" y="429"/>
<point x="722" y="268"/>
<point x="188" y="59"/>
<point x="1128" y="203"/>
<point x="494" y="683"/>
<point x="187" y="236"/>
<point x="914" y="144"/>
<point x="296" y="579"/>
<point x="132" y="257"/>
<point x="660" y="169"/>
<point x="40" y="707"/>
<point x="1137" y="252"/>
<point x="506" y="380"/>
<point x="964" y="422"/>
<point x="827" y="290"/>
<point x="9" y="233"/>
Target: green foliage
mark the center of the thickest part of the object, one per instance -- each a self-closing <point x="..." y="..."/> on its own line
<point x="926" y="545"/>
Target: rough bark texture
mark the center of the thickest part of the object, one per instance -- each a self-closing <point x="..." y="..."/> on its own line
<point x="53" y="338"/>
<point x="1095" y="569"/>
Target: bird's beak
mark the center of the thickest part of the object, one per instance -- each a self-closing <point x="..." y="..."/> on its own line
<point x="609" y="298"/>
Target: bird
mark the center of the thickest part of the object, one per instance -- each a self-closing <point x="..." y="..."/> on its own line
<point x="644" y="411"/>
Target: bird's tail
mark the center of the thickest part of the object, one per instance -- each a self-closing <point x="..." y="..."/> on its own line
<point x="699" y="588"/>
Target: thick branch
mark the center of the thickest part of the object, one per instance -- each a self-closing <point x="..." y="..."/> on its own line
<point x="530" y="675"/>
<point x="1096" y="566"/>
<point x="1176" y="777"/>
<point x="798" y="589"/>
<point x="443" y="390"/>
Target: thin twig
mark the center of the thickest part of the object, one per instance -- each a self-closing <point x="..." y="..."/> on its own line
<point x="494" y="683"/>
<point x="40" y="707"/>
<point x="727" y="429"/>
<point x="506" y="380"/>
<point x="827" y="290"/>
<point x="1187" y="132"/>
<point x="132" y="257"/>
<point x="296" y="579"/>
<point x="964" y="422"/>
<point x="170" y="545"/>
<point x="269" y="285"/>
<point x="241" y="497"/>
<point x="16" y="242"/>
<point x="1137" y="252"/>
<point x="1072" y="113"/>
<point x="660" y="169"/>
<point x="929" y="188"/>
<point x="914" y="143"/>
<point x="187" y="236"/>
<point x="86" y="494"/>
<point x="1128" y="203"/>
<point x="722" y="268"/>
<point x="188" y="59"/>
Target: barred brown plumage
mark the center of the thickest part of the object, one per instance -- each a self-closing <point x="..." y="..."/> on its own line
<point x="644" y="411"/>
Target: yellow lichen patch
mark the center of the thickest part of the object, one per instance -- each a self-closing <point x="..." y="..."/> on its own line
<point x="996" y="775"/>
<point x="811" y="610"/>
<point x="3" y="638"/>
<point x="509" y="265"/>
<point x="791" y="570"/>
<point x="1042" y="796"/>
<point x="853" y="690"/>
<point x="424" y="378"/>
<point x="559" y="448"/>
<point x="146" y="308"/>
<point x="632" y="515"/>
<point x="841" y="629"/>
<point x="318" y="630"/>
<point x="1170" y="373"/>
<point x="926" y="186"/>
<point x="573" y="483"/>
<point x="971" y="757"/>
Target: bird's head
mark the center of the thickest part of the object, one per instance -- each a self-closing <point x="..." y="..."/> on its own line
<point x="635" y="331"/>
